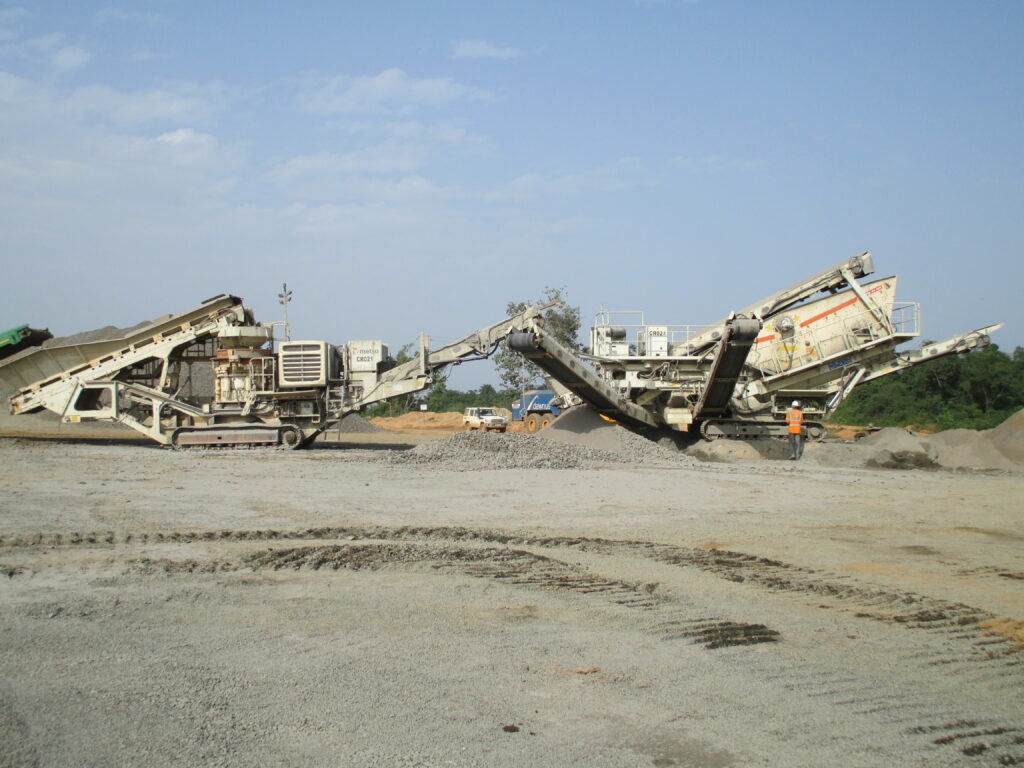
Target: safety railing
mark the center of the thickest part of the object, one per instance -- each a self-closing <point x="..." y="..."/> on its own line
<point x="633" y="331"/>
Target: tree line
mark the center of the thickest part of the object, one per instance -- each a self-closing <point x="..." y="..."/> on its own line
<point x="978" y="390"/>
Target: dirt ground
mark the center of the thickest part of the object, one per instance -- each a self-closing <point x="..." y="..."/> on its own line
<point x="339" y="607"/>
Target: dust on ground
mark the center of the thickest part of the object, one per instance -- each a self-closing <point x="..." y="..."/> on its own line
<point x="578" y="597"/>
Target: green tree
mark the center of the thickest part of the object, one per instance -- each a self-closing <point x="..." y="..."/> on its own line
<point x="561" y="320"/>
<point x="977" y="390"/>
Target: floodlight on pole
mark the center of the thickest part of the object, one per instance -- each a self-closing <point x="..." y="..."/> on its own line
<point x="285" y="297"/>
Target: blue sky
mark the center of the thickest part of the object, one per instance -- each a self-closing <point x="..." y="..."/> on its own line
<point x="410" y="166"/>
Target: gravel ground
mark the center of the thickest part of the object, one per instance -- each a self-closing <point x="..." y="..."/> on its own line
<point x="618" y="606"/>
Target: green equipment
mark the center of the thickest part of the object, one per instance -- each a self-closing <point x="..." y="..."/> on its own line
<point x="22" y="337"/>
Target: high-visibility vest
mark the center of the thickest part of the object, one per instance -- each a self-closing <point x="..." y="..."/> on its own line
<point x="795" y="419"/>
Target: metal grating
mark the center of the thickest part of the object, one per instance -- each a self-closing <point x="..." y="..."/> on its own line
<point x="299" y="367"/>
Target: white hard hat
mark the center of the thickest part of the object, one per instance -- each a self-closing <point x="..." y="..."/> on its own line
<point x="796" y="404"/>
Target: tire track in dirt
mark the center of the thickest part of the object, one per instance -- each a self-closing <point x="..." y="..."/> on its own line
<point x="957" y="647"/>
<point x="508" y="566"/>
<point x="908" y="609"/>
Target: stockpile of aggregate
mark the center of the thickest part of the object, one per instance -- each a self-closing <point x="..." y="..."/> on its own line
<point x="998" y="449"/>
<point x="420" y="420"/>
<point x="896" y="448"/>
<point x="584" y="441"/>
<point x="44" y="422"/>
<point x="354" y="423"/>
<point x="47" y="423"/>
<point x="1008" y="437"/>
<point x="1001" y="448"/>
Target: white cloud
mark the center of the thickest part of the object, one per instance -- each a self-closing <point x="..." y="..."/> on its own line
<point x="389" y="157"/>
<point x="143" y="54"/>
<point x="12" y="14"/>
<point x="391" y="91"/>
<point x="148" y="18"/>
<point x="9" y="18"/>
<point x="13" y="88"/>
<point x="482" y="49"/>
<point x="49" y="50"/>
<point x="530" y="186"/>
<point x="186" y="136"/>
<point x="380" y="172"/>
<point x="68" y="58"/>
<point x="133" y="108"/>
<point x="713" y="163"/>
<point x="45" y="43"/>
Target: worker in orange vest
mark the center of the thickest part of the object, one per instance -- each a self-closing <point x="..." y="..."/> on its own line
<point x="795" y="420"/>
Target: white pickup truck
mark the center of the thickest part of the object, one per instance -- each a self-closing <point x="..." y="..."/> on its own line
<point x="487" y="419"/>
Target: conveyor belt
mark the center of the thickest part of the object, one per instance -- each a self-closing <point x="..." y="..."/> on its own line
<point x="737" y="339"/>
<point x="36" y="368"/>
<point x="557" y="360"/>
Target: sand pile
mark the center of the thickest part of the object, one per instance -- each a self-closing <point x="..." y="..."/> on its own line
<point x="420" y="420"/>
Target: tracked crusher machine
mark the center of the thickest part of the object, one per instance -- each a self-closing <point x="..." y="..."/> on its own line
<point x="260" y="396"/>
<point x="738" y="377"/>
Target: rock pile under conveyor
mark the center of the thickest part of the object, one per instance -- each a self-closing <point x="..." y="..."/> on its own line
<point x="998" y="449"/>
<point x="577" y="439"/>
<point x="353" y="424"/>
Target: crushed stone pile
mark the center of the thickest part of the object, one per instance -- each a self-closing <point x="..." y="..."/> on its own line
<point x="1008" y="437"/>
<point x="582" y="442"/>
<point x="998" y="449"/>
<point x="491" y="450"/>
<point x="582" y="427"/>
<point x="102" y="334"/>
<point x="896" y="448"/>
<point x="47" y="423"/>
<point x="355" y="424"/>
<point x="967" y="449"/>
<point x="1001" y="448"/>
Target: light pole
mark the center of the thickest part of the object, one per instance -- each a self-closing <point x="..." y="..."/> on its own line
<point x="285" y="297"/>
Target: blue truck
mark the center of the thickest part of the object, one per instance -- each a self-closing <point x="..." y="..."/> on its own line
<point x="535" y="409"/>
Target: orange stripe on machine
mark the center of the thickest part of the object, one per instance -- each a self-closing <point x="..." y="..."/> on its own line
<point x="828" y="312"/>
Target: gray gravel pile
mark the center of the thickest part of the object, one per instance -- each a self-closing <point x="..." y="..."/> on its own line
<point x="355" y="423"/>
<point x="584" y="428"/>
<point x="488" y="450"/>
<point x="896" y="448"/>
<point x="1001" y="448"/>
<point x="993" y="450"/>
